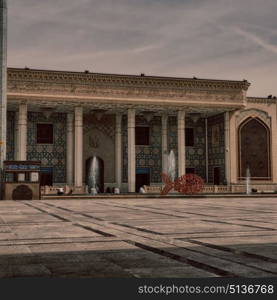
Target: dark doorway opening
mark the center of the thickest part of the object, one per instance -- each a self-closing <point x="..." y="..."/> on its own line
<point x="142" y="178"/>
<point x="190" y="171"/>
<point x="216" y="176"/>
<point x="46" y="176"/>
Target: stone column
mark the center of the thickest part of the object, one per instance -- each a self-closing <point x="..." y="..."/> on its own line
<point x="181" y="143"/>
<point x="206" y="150"/>
<point x="78" y="146"/>
<point x="131" y="150"/>
<point x="16" y="136"/>
<point x="233" y="148"/>
<point x="164" y="144"/>
<point x="118" y="150"/>
<point x="69" y="149"/>
<point x="22" y="132"/>
<point x="3" y="82"/>
<point x="227" y="146"/>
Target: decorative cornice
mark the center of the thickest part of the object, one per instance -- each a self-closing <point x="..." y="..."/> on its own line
<point x="98" y="80"/>
<point x="261" y="100"/>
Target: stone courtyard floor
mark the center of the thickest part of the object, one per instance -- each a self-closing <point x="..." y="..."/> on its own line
<point x="171" y="237"/>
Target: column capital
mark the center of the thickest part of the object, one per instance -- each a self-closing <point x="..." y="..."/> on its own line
<point x="164" y="118"/>
<point x="131" y="112"/>
<point x="131" y="117"/>
<point x="70" y="121"/>
<point x="22" y="113"/>
<point x="70" y="117"/>
<point x="78" y="110"/>
<point x="118" y="123"/>
<point x="22" y="105"/>
<point x="118" y="117"/>
<point x="181" y="114"/>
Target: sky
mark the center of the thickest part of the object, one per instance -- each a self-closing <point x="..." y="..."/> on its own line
<point x="217" y="39"/>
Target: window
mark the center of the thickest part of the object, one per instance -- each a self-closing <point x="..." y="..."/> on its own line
<point x="44" y="133"/>
<point x="189" y="137"/>
<point x="142" y="135"/>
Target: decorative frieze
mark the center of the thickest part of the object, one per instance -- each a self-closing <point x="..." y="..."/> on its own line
<point x="108" y="88"/>
<point x="261" y="100"/>
<point x="97" y="79"/>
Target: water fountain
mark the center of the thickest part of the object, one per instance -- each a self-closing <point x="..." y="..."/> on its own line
<point x="248" y="185"/>
<point x="171" y="165"/>
<point x="95" y="175"/>
<point x="142" y="190"/>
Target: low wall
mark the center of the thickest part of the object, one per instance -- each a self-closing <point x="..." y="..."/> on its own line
<point x="156" y="189"/>
<point x="221" y="189"/>
<point x="68" y="190"/>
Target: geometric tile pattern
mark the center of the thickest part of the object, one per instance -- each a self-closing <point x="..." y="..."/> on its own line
<point x="105" y="124"/>
<point x="149" y="156"/>
<point x="195" y="156"/>
<point x="50" y="155"/>
<point x="216" y="149"/>
<point x="54" y="155"/>
<point x="10" y="135"/>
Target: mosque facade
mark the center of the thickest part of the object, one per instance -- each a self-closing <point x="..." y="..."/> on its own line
<point x="132" y="123"/>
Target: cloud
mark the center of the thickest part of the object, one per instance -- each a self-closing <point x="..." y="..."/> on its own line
<point x="226" y="39"/>
<point x="257" y="40"/>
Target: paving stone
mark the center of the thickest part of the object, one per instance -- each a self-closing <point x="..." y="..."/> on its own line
<point x="7" y="236"/>
<point x="36" y="270"/>
<point x="139" y="237"/>
<point x="27" y="218"/>
<point x="172" y="272"/>
<point x="139" y="259"/>
<point x="14" y="250"/>
<point x="50" y="231"/>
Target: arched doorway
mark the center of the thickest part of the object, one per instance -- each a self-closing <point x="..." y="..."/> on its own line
<point x="254" y="149"/>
